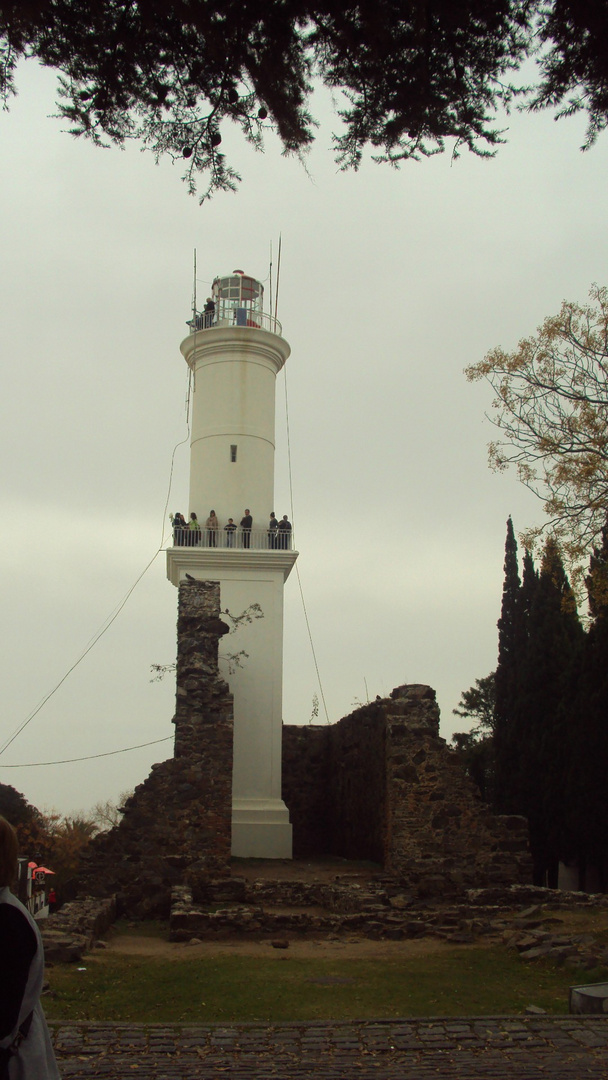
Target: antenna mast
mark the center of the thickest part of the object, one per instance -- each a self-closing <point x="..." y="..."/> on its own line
<point x="276" y="299"/>
<point x="270" y="275"/>
<point x="194" y="292"/>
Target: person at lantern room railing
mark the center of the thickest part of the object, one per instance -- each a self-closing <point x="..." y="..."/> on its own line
<point x="208" y="312"/>
<point x="203" y="319"/>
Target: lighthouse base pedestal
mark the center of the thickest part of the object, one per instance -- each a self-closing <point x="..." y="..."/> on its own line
<point x="261" y="829"/>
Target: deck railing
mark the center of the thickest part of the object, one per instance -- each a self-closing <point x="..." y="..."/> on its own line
<point x="229" y="315"/>
<point x="255" y="539"/>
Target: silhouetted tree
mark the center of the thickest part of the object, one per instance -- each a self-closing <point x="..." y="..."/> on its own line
<point x="476" y="747"/>
<point x="585" y="840"/>
<point x="506" y="680"/>
<point x="26" y="820"/>
<point x="173" y="73"/>
<point x="553" y="640"/>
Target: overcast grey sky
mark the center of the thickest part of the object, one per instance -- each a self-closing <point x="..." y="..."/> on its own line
<point x="391" y="282"/>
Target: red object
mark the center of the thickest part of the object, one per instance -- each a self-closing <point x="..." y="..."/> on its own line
<point x="44" y="870"/>
<point x="32" y="865"/>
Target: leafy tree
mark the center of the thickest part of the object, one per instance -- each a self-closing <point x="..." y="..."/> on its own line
<point x="67" y="837"/>
<point x="107" y="814"/>
<point x="173" y="73"/>
<point x="552" y="413"/>
<point x="476" y="747"/>
<point x="479" y="703"/>
<point x="26" y="820"/>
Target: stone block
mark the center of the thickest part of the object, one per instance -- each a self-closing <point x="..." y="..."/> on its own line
<point x="591" y="999"/>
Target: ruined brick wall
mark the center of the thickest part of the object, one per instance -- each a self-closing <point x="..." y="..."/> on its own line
<point x="177" y="824"/>
<point x="389" y="790"/>
<point x="440" y="833"/>
<point x="307" y="787"/>
<point x="336" y="805"/>
<point x="357" y="754"/>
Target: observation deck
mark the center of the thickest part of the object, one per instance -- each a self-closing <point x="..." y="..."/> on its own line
<point x="237" y="540"/>
<point x="223" y="556"/>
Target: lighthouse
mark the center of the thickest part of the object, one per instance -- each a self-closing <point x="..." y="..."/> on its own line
<point x="235" y="350"/>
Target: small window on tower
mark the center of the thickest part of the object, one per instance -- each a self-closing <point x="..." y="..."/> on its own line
<point x="233" y="453"/>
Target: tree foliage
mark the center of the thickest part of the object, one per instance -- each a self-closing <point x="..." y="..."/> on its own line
<point x="27" y="821"/>
<point x="106" y="814"/>
<point x="68" y="838"/>
<point x="542" y="721"/>
<point x="47" y="837"/>
<point x="548" y="755"/>
<point x="507" y="670"/>
<point x="478" y="703"/>
<point x="585" y="717"/>
<point x="551" y="409"/>
<point x="476" y="747"/>
<point x="410" y="73"/>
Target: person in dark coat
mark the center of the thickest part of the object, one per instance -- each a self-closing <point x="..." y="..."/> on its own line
<point x="284" y="532"/>
<point x="26" y="1052"/>
<point x="272" y="531"/>
<point x="179" y="525"/>
<point x="209" y="312"/>
<point x="230" y="530"/>
<point x="246" y="525"/>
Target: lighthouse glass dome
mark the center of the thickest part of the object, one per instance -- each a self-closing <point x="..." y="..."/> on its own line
<point x="238" y="301"/>
<point x="240" y="290"/>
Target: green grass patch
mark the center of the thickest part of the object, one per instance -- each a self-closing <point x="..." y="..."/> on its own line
<point x="453" y="982"/>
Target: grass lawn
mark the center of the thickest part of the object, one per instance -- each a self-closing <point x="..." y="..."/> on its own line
<point x="450" y="982"/>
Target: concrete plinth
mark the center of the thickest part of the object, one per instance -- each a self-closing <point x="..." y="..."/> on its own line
<point x="261" y="829"/>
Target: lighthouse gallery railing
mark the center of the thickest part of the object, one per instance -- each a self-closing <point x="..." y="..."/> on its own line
<point x="229" y="314"/>
<point x="256" y="539"/>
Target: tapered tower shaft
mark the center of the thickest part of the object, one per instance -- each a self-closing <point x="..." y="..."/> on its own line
<point x="235" y="351"/>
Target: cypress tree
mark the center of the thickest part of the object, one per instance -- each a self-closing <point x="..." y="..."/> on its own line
<point x="587" y="838"/>
<point x="553" y="640"/>
<point x="509" y="651"/>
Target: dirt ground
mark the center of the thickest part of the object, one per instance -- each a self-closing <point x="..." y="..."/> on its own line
<point x="308" y="948"/>
<point x="322" y="870"/>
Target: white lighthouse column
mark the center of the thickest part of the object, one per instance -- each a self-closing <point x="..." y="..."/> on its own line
<point x="235" y="361"/>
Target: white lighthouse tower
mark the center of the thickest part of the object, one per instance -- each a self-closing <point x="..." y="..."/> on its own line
<point x="235" y="352"/>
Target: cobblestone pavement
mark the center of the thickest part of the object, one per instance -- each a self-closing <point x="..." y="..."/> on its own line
<point x="503" y="1048"/>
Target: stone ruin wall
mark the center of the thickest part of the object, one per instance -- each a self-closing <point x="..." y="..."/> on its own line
<point x="177" y="824"/>
<point x="382" y="785"/>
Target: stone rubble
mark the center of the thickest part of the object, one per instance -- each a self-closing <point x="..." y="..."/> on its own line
<point x="262" y="911"/>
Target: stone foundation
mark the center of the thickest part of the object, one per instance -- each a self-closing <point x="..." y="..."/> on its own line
<point x="73" y="930"/>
